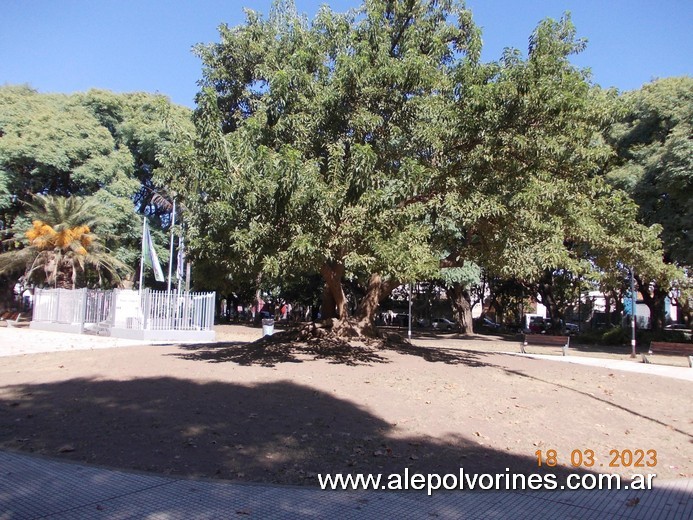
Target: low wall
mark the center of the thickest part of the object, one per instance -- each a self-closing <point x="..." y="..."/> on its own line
<point x="72" y="328"/>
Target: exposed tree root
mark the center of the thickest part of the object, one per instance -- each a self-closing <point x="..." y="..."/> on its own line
<point x="346" y="331"/>
<point x="342" y="341"/>
<point x="332" y="341"/>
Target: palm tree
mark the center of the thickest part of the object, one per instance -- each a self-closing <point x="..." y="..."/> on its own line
<point x="60" y="244"/>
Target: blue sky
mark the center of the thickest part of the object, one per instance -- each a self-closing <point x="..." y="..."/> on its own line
<point x="145" y="45"/>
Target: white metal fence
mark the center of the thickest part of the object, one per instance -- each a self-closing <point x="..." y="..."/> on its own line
<point x="59" y="305"/>
<point x="147" y="310"/>
<point x="98" y="307"/>
<point x="170" y="310"/>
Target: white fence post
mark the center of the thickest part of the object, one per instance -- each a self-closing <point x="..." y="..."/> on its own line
<point x="145" y="309"/>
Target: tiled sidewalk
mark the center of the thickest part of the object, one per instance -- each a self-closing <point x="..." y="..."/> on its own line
<point x="32" y="487"/>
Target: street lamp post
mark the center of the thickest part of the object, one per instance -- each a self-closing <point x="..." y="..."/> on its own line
<point x="633" y="305"/>
<point x="409" y="331"/>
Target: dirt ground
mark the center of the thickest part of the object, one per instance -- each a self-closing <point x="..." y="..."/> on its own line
<point x="243" y="411"/>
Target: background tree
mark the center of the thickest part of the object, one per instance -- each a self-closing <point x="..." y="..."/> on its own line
<point x="654" y="142"/>
<point x="96" y="145"/>
<point x="653" y="139"/>
<point x="458" y="283"/>
<point x="521" y="195"/>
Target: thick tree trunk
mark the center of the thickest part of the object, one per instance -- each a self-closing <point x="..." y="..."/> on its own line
<point x="65" y="275"/>
<point x="499" y="310"/>
<point x="461" y="302"/>
<point x="655" y="303"/>
<point x="333" y="298"/>
<point x="334" y="311"/>
<point x="328" y="309"/>
<point x="545" y="290"/>
<point x="377" y="290"/>
<point x="369" y="303"/>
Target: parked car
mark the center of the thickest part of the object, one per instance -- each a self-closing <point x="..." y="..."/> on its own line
<point x="489" y="324"/>
<point x="442" y="324"/>
<point x="401" y="320"/>
<point x="677" y="326"/>
<point x="572" y="328"/>
<point x="528" y="320"/>
<point x="537" y="325"/>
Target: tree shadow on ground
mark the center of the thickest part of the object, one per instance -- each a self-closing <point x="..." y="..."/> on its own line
<point x="271" y="353"/>
<point x="439" y="354"/>
<point x="278" y="432"/>
<point x="476" y="336"/>
<point x="272" y="350"/>
<point x="601" y="400"/>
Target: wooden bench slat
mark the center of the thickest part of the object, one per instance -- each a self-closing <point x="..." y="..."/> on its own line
<point x="676" y="348"/>
<point x="665" y="347"/>
<point x="544" y="340"/>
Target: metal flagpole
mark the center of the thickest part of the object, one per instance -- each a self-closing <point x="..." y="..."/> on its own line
<point x="170" y="256"/>
<point x="144" y="230"/>
<point x="179" y="272"/>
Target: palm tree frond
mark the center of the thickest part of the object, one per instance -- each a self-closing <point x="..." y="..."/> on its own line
<point x="62" y="244"/>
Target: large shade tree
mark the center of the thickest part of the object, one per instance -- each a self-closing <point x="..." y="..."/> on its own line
<point x="316" y="139"/>
<point x="375" y="147"/>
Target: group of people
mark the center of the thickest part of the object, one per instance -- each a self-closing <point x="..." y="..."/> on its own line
<point x="282" y="311"/>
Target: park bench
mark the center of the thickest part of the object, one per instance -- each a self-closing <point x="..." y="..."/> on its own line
<point x="545" y="340"/>
<point x="12" y="319"/>
<point x="664" y="347"/>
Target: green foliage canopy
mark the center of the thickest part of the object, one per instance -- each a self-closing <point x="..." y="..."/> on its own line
<point x="375" y="142"/>
<point x="97" y="145"/>
<point x="654" y="141"/>
<point x="317" y="137"/>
